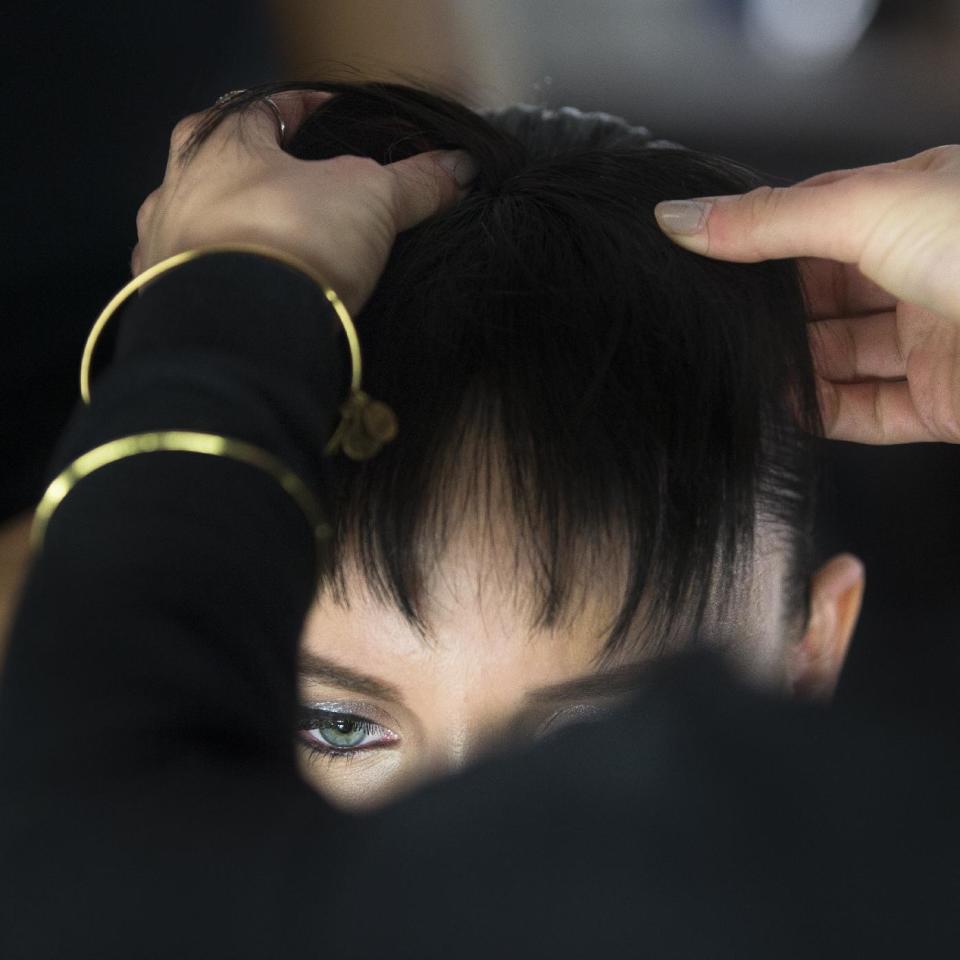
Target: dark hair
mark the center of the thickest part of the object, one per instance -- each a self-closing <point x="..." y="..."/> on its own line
<point x="640" y="394"/>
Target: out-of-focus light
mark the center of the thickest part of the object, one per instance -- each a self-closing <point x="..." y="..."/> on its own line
<point x="806" y="35"/>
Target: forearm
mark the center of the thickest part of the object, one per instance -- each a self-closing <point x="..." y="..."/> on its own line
<point x="166" y="604"/>
<point x="147" y="767"/>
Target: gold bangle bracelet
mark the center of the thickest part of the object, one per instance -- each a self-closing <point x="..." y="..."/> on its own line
<point x="181" y="440"/>
<point x="367" y="423"/>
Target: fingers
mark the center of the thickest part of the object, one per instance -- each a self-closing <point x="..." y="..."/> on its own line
<point x="426" y="184"/>
<point x="832" y="176"/>
<point x="857" y="348"/>
<point x="146" y="210"/>
<point x="770" y="223"/>
<point x="831" y="221"/>
<point x="294" y="107"/>
<point x="898" y="222"/>
<point x="875" y="413"/>
<point x="840" y="290"/>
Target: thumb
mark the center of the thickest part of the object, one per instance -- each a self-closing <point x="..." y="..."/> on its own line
<point x="900" y="227"/>
<point x="428" y="183"/>
<point x="771" y="223"/>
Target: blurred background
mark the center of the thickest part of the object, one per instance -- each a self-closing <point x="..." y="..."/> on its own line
<point x="91" y="93"/>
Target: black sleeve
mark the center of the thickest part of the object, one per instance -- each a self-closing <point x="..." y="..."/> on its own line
<point x="147" y="700"/>
<point x="150" y="804"/>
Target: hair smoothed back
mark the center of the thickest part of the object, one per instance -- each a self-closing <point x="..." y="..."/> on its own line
<point x="634" y="393"/>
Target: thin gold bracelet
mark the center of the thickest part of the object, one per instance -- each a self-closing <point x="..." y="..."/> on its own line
<point x="366" y="424"/>
<point x="182" y="440"/>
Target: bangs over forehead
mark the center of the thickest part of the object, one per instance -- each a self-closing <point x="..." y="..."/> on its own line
<point x="544" y="334"/>
<point x="479" y="514"/>
<point x="629" y="432"/>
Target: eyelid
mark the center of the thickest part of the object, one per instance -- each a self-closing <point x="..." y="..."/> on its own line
<point x="314" y="716"/>
<point x="573" y="714"/>
<point x="358" y="708"/>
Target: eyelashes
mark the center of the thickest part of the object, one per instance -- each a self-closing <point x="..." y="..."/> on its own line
<point x="579" y="713"/>
<point x="332" y="735"/>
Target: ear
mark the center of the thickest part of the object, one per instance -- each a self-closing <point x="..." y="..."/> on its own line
<point x="836" y="593"/>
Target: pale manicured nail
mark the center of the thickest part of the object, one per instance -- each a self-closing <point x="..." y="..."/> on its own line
<point x="682" y="217"/>
<point x="460" y="165"/>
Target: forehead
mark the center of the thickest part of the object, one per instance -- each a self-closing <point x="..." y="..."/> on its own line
<point x="480" y="599"/>
<point x="481" y="588"/>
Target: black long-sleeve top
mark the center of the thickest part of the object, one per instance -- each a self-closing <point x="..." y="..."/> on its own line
<point x="150" y="802"/>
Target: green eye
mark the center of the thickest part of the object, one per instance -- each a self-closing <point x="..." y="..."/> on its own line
<point x="332" y="734"/>
<point x="343" y="732"/>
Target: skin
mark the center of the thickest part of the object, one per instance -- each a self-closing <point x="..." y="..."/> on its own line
<point x="471" y="688"/>
<point x="877" y="251"/>
<point x="467" y="689"/>
<point x="877" y="247"/>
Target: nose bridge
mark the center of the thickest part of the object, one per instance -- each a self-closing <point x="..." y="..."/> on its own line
<point x="471" y="696"/>
<point x="453" y="750"/>
<point x="463" y="732"/>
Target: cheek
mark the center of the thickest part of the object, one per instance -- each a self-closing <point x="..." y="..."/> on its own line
<point x="356" y="785"/>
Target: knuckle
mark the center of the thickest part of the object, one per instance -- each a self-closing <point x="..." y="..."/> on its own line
<point x="143" y="214"/>
<point x="948" y="416"/>
<point x="943" y="424"/>
<point x="946" y="155"/>
<point x="879" y="421"/>
<point x="865" y="184"/>
<point x="754" y="213"/>
<point x="760" y="202"/>
<point x="375" y="180"/>
<point x="765" y="196"/>
<point x="182" y="130"/>
<point x="828" y="403"/>
<point x="363" y="170"/>
<point x="352" y="165"/>
<point x="849" y="349"/>
<point x="951" y="431"/>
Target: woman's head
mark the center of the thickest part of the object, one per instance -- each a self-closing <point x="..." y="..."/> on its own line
<point x="606" y="448"/>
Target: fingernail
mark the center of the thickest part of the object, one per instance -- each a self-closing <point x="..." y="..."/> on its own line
<point x="460" y="165"/>
<point x="682" y="217"/>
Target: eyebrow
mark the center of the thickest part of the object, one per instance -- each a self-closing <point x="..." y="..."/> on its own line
<point x="310" y="666"/>
<point x="624" y="679"/>
<point x="621" y="680"/>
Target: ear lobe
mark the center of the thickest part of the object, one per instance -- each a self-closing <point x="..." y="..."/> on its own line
<point x="836" y="595"/>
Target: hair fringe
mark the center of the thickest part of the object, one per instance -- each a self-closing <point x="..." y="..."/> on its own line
<point x="637" y="394"/>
